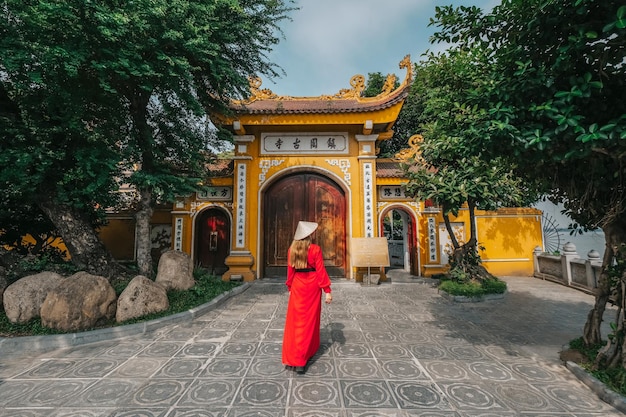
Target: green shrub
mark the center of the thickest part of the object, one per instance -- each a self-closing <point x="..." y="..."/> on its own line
<point x="460" y="276"/>
<point x="470" y="289"/>
<point x="494" y="286"/>
<point x="473" y="288"/>
<point x="614" y="378"/>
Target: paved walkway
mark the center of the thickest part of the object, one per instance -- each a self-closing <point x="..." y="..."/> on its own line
<point x="397" y="349"/>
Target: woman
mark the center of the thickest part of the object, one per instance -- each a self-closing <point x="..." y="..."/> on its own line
<point x="306" y="279"/>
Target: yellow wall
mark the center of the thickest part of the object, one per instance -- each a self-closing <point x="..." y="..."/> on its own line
<point x="118" y="235"/>
<point x="508" y="236"/>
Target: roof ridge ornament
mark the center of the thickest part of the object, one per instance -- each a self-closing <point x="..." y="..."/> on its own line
<point x="413" y="152"/>
<point x="357" y="83"/>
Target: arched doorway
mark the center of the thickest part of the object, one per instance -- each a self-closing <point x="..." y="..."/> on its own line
<point x="399" y="227"/>
<point x="309" y="197"/>
<point x="212" y="240"/>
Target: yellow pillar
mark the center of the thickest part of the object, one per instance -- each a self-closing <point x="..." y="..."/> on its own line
<point x="240" y="262"/>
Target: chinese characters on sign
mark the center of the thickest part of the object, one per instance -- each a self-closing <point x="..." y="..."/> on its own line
<point x="304" y="143"/>
<point x="432" y="240"/>
<point x="368" y="199"/>
<point x="241" y="205"/>
<point x="216" y="193"/>
<point x="391" y="192"/>
<point x="178" y="234"/>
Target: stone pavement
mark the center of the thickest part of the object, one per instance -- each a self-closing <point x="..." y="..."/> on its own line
<point x="397" y="349"/>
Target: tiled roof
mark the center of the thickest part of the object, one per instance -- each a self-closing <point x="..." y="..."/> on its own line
<point x="221" y="168"/>
<point x="348" y="100"/>
<point x="316" y="105"/>
<point x="387" y="168"/>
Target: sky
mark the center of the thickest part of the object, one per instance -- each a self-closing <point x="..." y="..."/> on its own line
<point x="329" y="41"/>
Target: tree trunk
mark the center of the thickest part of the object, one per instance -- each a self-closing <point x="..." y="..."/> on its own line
<point x="465" y="256"/>
<point x="592" y="331"/>
<point x="144" y="241"/>
<point x="612" y="283"/>
<point x="83" y="244"/>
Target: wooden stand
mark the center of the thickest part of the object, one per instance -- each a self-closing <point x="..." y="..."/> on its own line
<point x="370" y="252"/>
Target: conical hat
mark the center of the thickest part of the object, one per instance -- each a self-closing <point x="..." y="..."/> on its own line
<point x="304" y="229"/>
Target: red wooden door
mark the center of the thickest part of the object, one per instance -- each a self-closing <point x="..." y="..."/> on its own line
<point x="212" y="240"/>
<point x="308" y="197"/>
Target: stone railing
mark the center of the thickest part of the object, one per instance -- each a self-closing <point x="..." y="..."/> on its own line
<point x="568" y="268"/>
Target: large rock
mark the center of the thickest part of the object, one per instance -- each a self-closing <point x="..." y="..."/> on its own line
<point x="175" y="271"/>
<point x="141" y="296"/>
<point x="82" y="302"/>
<point x="22" y="300"/>
<point x="3" y="281"/>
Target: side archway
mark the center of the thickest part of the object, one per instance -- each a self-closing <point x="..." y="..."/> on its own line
<point x="399" y="225"/>
<point x="212" y="240"/>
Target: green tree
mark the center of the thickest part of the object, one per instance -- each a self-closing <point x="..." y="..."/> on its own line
<point x="56" y="154"/>
<point x="455" y="164"/>
<point x="558" y="68"/>
<point x="140" y="80"/>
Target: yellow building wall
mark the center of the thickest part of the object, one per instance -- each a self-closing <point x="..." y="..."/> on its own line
<point x="118" y="236"/>
<point x="508" y="237"/>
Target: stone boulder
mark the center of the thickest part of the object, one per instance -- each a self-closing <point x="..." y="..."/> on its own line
<point x="141" y="296"/>
<point x="23" y="299"/>
<point x="175" y="271"/>
<point x="82" y="302"/>
<point x="3" y="281"/>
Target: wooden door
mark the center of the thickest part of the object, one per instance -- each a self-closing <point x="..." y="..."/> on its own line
<point x="308" y="197"/>
<point x="212" y="240"/>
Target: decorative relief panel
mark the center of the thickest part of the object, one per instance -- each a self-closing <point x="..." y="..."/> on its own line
<point x="199" y="205"/>
<point x="344" y="165"/>
<point x="265" y="165"/>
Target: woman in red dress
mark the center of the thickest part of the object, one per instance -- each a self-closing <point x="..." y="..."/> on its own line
<point x="306" y="279"/>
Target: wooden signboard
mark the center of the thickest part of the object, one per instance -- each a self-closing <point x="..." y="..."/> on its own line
<point x="370" y="252"/>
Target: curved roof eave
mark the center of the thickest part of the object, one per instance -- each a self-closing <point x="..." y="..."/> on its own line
<point x="265" y="102"/>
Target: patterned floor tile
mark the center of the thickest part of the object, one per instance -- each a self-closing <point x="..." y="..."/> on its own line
<point x="106" y="393"/>
<point x="366" y="394"/>
<point x="315" y="394"/>
<point x="358" y="368"/>
<point x="472" y="396"/>
<point x="419" y="395"/>
<point x="210" y="393"/>
<point x="226" y="367"/>
<point x="262" y="393"/>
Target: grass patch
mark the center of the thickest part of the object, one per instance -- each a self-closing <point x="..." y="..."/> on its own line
<point x="614" y="378"/>
<point x="473" y="288"/>
<point x="206" y="289"/>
